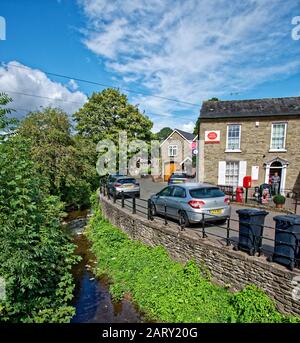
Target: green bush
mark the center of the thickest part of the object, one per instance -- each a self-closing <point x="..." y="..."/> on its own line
<point x="252" y="305"/>
<point x="279" y="199"/>
<point x="166" y="290"/>
<point x="36" y="257"/>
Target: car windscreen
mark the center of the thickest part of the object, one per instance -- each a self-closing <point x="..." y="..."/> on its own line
<point x="123" y="181"/>
<point x="178" y="176"/>
<point x="209" y="192"/>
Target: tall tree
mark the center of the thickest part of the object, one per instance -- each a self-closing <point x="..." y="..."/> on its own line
<point x="163" y="133"/>
<point x="36" y="257"/>
<point x="58" y="156"/>
<point x="108" y="112"/>
<point x="5" y="122"/>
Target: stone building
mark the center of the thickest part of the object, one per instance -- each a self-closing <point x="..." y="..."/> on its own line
<point x="251" y="137"/>
<point x="176" y="153"/>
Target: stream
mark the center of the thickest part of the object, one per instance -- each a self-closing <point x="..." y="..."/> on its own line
<point x="92" y="299"/>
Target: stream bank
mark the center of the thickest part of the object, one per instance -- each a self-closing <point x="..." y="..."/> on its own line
<point x="92" y="299"/>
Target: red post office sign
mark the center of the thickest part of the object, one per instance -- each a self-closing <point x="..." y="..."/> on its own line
<point x="212" y="137"/>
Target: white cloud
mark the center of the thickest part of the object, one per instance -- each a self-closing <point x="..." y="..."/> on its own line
<point x="17" y="80"/>
<point x="189" y="127"/>
<point x="192" y="49"/>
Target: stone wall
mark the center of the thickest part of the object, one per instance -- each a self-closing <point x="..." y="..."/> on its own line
<point x="255" y="145"/>
<point x="234" y="269"/>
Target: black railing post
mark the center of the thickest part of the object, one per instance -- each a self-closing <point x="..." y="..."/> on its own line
<point x="165" y="213"/>
<point x="108" y="195"/>
<point x="228" y="232"/>
<point x="123" y="198"/>
<point x="203" y="226"/>
<point x="133" y="205"/>
<point x="115" y="196"/>
<point x="149" y="208"/>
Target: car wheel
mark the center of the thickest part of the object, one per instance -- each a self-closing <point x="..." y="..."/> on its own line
<point x="183" y="219"/>
<point x="153" y="209"/>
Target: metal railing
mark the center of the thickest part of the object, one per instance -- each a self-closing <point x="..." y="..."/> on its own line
<point x="209" y="226"/>
<point x="292" y="198"/>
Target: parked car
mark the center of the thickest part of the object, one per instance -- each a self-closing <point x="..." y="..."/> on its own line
<point x="179" y="177"/>
<point x="126" y="184"/>
<point x="188" y="201"/>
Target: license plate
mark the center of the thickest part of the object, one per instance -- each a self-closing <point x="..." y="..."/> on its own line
<point x="178" y="181"/>
<point x="219" y="211"/>
<point x="128" y="185"/>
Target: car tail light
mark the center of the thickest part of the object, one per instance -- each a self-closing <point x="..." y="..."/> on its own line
<point x="227" y="201"/>
<point x="118" y="185"/>
<point x="196" y="203"/>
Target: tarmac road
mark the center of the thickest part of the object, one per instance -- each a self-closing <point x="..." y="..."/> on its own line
<point x="148" y="188"/>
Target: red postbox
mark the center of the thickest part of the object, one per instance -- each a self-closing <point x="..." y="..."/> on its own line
<point x="247" y="182"/>
<point x="239" y="194"/>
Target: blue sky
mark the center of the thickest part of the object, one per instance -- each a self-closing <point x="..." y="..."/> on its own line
<point x="188" y="50"/>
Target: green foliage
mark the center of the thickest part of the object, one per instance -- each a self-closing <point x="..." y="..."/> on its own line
<point x="5" y="122"/>
<point x="252" y="305"/>
<point x="166" y="290"/>
<point x="163" y="133"/>
<point x="108" y="112"/>
<point x="67" y="162"/>
<point x="36" y="258"/>
<point x="279" y="199"/>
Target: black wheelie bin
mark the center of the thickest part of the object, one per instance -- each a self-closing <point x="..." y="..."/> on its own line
<point x="251" y="222"/>
<point x="287" y="240"/>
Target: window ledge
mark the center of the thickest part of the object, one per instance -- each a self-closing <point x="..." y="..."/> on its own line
<point x="277" y="150"/>
<point x="236" y="150"/>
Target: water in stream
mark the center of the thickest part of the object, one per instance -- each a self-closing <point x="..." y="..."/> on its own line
<point x="92" y="299"/>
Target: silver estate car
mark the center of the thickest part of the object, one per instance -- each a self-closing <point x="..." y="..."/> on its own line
<point x="187" y="202"/>
<point x="127" y="184"/>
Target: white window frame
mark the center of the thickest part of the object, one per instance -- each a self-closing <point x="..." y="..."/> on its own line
<point x="172" y="147"/>
<point x="227" y="138"/>
<point x="228" y="175"/>
<point x="284" y="141"/>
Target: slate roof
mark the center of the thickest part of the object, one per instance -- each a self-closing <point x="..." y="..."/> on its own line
<point x="251" y="108"/>
<point x="187" y="135"/>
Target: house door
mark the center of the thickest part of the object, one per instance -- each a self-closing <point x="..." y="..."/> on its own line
<point x="276" y="167"/>
<point x="169" y="168"/>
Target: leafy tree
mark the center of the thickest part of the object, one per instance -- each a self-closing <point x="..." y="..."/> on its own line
<point x="108" y="112"/>
<point x="5" y="122"/>
<point x="36" y="257"/>
<point x="163" y="133"/>
<point x="62" y="159"/>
